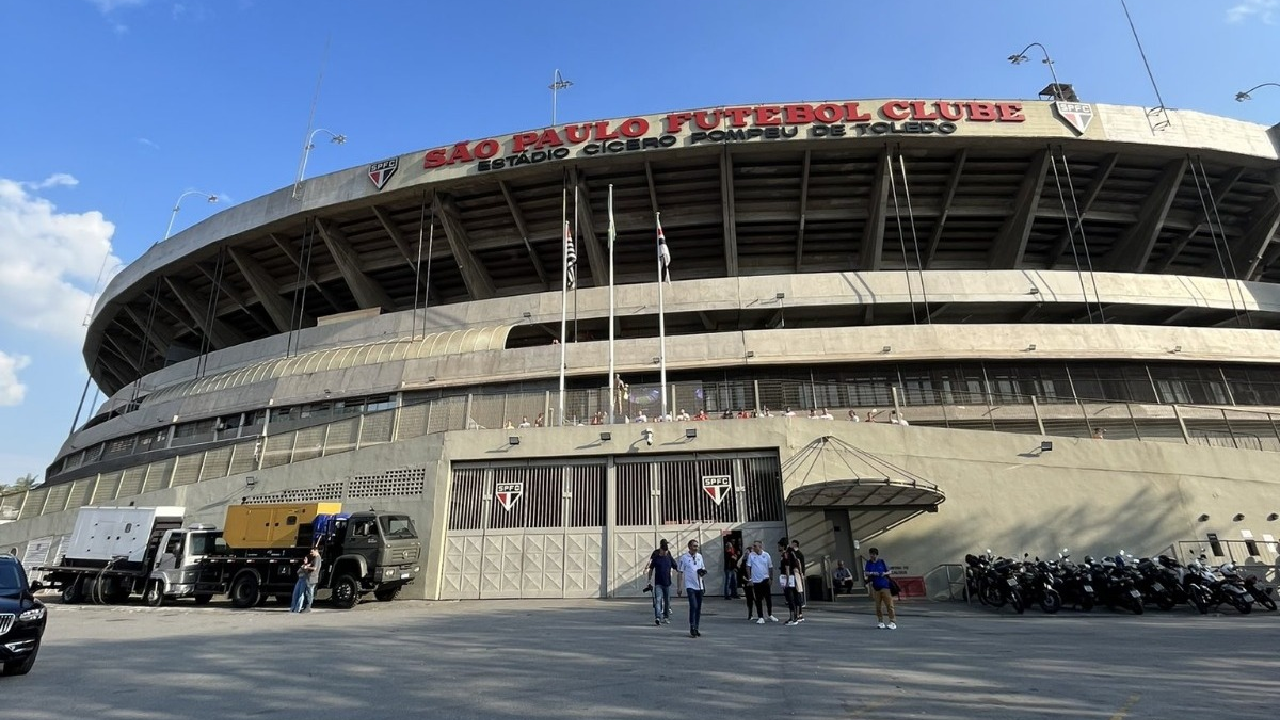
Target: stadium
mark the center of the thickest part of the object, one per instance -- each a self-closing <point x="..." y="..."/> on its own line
<point x="1055" y="322"/>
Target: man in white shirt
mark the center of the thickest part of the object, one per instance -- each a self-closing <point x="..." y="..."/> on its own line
<point x="853" y="416"/>
<point x="683" y="416"/>
<point x="789" y="412"/>
<point x="826" y="414"/>
<point x="641" y="417"/>
<point x="693" y="569"/>
<point x="524" y="422"/>
<point x="760" y="568"/>
<point x="897" y="419"/>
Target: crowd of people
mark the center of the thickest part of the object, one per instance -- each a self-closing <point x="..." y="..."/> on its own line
<point x="602" y="418"/>
<point x="753" y="572"/>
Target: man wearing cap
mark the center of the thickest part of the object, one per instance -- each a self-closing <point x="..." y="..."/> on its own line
<point x="693" y="569"/>
<point x="661" y="563"/>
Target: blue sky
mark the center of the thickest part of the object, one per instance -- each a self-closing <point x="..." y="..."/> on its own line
<point x="113" y="108"/>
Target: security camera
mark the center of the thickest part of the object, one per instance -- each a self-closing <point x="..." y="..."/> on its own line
<point x="648" y="436"/>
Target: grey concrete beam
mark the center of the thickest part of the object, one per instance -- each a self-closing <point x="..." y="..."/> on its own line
<point x="518" y="217"/>
<point x="727" y="213"/>
<point x="225" y="290"/>
<point x="597" y="255"/>
<point x="653" y="191"/>
<point x="1095" y="188"/>
<point x="411" y="256"/>
<point x="474" y="275"/>
<point x="1011" y="242"/>
<point x="264" y="287"/>
<point x="707" y="323"/>
<point x="1219" y="191"/>
<point x="219" y="333"/>
<point x="367" y="293"/>
<point x="1247" y="252"/>
<point x="948" y="195"/>
<point x="870" y="252"/>
<point x="804" y="198"/>
<point x="293" y="256"/>
<point x="1133" y="250"/>
<point x="158" y="335"/>
<point x="127" y="351"/>
<point x="1269" y="257"/>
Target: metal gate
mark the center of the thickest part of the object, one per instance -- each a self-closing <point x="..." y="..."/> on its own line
<point x="529" y="530"/>
<point x="702" y="497"/>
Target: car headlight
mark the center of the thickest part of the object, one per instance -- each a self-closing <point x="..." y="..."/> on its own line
<point x="32" y="615"/>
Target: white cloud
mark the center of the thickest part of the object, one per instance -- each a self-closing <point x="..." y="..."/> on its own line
<point x="106" y="6"/>
<point x="11" y="390"/>
<point x="54" y="180"/>
<point x="145" y="142"/>
<point x="50" y="261"/>
<point x="1264" y="11"/>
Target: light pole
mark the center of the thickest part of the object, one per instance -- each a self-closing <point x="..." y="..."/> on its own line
<point x="1244" y="94"/>
<point x="558" y="83"/>
<point x="177" y="205"/>
<point x="1021" y="57"/>
<point x="335" y="138"/>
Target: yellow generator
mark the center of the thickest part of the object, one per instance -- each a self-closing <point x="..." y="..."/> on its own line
<point x="277" y="527"/>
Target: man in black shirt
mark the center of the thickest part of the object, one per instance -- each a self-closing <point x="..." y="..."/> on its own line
<point x="661" y="564"/>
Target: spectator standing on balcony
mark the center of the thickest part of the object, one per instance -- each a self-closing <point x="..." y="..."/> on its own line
<point x="702" y="414"/>
<point x="826" y="414"/>
<point x="897" y="419"/>
<point x="789" y="412"/>
<point x="813" y="414"/>
<point x="853" y="416"/>
<point x="641" y="417"/>
<point x="540" y="422"/>
<point x="524" y="422"/>
<point x="1099" y="433"/>
<point x="871" y="415"/>
<point x="683" y="416"/>
<point x="877" y="571"/>
<point x="766" y="413"/>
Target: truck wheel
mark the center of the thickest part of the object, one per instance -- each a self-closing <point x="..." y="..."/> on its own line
<point x="153" y="596"/>
<point x="387" y="594"/>
<point x="346" y="592"/>
<point x="71" y="593"/>
<point x="203" y="598"/>
<point x="245" y="591"/>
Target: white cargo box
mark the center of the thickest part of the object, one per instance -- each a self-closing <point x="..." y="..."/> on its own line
<point x="103" y="533"/>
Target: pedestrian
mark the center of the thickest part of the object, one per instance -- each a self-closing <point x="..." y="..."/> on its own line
<point x="744" y="581"/>
<point x="693" y="569"/>
<point x="304" y="591"/>
<point x="878" y="577"/>
<point x="789" y="578"/>
<point x="661" y="563"/>
<point x="800" y="567"/>
<point x="842" y="579"/>
<point x="730" y="570"/>
<point x="761" y="567"/>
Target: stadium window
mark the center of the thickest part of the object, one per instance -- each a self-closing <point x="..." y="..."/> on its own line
<point x="379" y="402"/>
<point x="1214" y="545"/>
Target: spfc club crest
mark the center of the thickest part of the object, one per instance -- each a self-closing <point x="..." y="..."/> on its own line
<point x="1076" y="115"/>
<point x="381" y="172"/>
<point x="717" y="486"/>
<point x="508" y="494"/>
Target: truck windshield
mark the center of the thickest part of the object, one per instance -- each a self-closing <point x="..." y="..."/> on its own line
<point x="203" y="543"/>
<point x="397" y="527"/>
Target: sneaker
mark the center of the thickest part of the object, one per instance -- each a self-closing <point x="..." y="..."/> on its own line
<point x="760" y="621"/>
<point x="893" y="626"/>
<point x="666" y="621"/>
<point x="789" y="622"/>
<point x="772" y="619"/>
<point x="656" y="621"/>
<point x="799" y="620"/>
<point x="697" y="632"/>
<point x="880" y="626"/>
<point x="693" y="633"/>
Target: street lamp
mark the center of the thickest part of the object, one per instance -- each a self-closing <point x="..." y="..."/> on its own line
<point x="1244" y="94"/>
<point x="177" y="205"/>
<point x="1058" y="90"/>
<point x="558" y="83"/>
<point x="335" y="138"/>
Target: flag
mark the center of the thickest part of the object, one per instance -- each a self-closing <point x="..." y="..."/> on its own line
<point x="570" y="259"/>
<point x="664" y="255"/>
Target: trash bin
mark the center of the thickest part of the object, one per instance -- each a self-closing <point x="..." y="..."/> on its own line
<point x="815" y="589"/>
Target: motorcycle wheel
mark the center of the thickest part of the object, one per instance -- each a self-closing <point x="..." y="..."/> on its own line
<point x="1263" y="599"/>
<point x="992" y="596"/>
<point x="1243" y="605"/>
<point x="1165" y="602"/>
<point x="1137" y="606"/>
<point x="1200" y="602"/>
<point x="1051" y="603"/>
<point x="1015" y="600"/>
<point x="1086" y="604"/>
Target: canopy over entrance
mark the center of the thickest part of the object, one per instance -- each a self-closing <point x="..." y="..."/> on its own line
<point x="876" y="494"/>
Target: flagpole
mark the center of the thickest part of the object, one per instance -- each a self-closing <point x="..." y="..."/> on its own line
<point x="564" y="298"/>
<point x="610" y="383"/>
<point x="576" y="221"/>
<point x="662" y="329"/>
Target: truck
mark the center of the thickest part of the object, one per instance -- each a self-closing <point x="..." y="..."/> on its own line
<point x="262" y="547"/>
<point x="115" y="552"/>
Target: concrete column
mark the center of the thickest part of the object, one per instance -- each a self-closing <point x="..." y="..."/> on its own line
<point x="466" y="413"/>
<point x="1182" y="424"/>
<point x="610" y="526"/>
<point x="1035" y="407"/>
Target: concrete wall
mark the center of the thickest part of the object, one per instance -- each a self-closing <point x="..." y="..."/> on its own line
<point x="1001" y="493"/>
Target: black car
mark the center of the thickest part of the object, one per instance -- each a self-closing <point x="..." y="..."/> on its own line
<point x="22" y="619"/>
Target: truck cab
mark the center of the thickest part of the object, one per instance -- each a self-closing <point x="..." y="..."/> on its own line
<point x="367" y="551"/>
<point x="175" y="567"/>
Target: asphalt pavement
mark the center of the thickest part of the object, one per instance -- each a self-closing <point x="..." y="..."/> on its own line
<point x="606" y="659"/>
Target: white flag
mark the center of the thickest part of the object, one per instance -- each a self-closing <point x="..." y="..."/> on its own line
<point x="664" y="255"/>
<point x="570" y="259"/>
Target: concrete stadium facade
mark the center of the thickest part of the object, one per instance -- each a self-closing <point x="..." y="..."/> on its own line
<point x="1000" y="273"/>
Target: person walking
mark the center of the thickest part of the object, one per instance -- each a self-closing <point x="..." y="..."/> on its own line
<point x="661" y="563"/>
<point x="800" y="589"/>
<point x="744" y="581"/>
<point x="761" y="567"/>
<point x="877" y="571"/>
<point x="693" y="569"/>
<point x="304" y="591"/>
<point x="790" y="578"/>
<point x="730" y="570"/>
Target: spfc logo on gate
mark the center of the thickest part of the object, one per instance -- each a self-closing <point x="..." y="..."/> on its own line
<point x="717" y="486"/>
<point x="381" y="172"/>
<point x="508" y="494"/>
<point x="1074" y="114"/>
